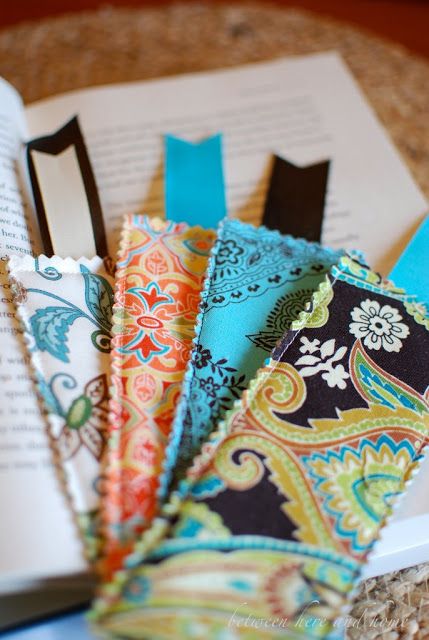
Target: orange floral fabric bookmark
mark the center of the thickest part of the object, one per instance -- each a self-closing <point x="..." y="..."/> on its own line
<point x="160" y="275"/>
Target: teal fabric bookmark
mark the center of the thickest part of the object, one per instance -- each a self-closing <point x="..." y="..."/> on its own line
<point x="258" y="282"/>
<point x="194" y="182"/>
<point x="411" y="271"/>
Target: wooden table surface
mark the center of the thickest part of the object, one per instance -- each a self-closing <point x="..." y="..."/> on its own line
<point x="405" y="21"/>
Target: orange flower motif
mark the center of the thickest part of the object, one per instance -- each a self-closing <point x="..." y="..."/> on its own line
<point x="145" y="334"/>
<point x="158" y="284"/>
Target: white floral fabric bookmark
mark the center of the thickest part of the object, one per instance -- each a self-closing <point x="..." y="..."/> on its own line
<point x="65" y="307"/>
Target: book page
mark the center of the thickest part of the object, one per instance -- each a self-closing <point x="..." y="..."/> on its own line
<point x="305" y="109"/>
<point x="37" y="535"/>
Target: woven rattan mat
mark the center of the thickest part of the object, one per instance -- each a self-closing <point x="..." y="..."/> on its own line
<point x="118" y="45"/>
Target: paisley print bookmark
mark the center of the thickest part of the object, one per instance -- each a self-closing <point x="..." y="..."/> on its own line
<point x="159" y="278"/>
<point x="258" y="282"/>
<point x="288" y="499"/>
<point x="65" y="307"/>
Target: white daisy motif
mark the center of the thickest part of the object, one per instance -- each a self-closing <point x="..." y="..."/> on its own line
<point x="378" y="327"/>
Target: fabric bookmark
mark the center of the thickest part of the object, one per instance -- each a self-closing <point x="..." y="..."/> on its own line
<point x="194" y="182"/>
<point x="160" y="273"/>
<point x="65" y="307"/>
<point x="288" y="499"/>
<point x="257" y="284"/>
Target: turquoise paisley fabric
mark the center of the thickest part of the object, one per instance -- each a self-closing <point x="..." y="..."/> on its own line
<point x="258" y="282"/>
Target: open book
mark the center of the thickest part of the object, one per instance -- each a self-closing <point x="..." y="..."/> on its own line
<point x="305" y="109"/>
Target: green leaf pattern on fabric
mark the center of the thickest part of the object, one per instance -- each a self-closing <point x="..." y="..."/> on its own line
<point x="50" y="327"/>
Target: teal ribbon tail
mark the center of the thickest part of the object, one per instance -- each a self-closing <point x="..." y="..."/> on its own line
<point x="411" y="272"/>
<point x="194" y="181"/>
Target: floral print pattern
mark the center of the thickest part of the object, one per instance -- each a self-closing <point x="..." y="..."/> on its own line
<point x="66" y="312"/>
<point x="335" y="376"/>
<point x="159" y="279"/>
<point x="282" y="507"/>
<point x="380" y="327"/>
<point x="145" y="333"/>
<point x="229" y="253"/>
<point x="202" y="357"/>
<point x="257" y="279"/>
<point x="86" y="421"/>
<point x="286" y="500"/>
